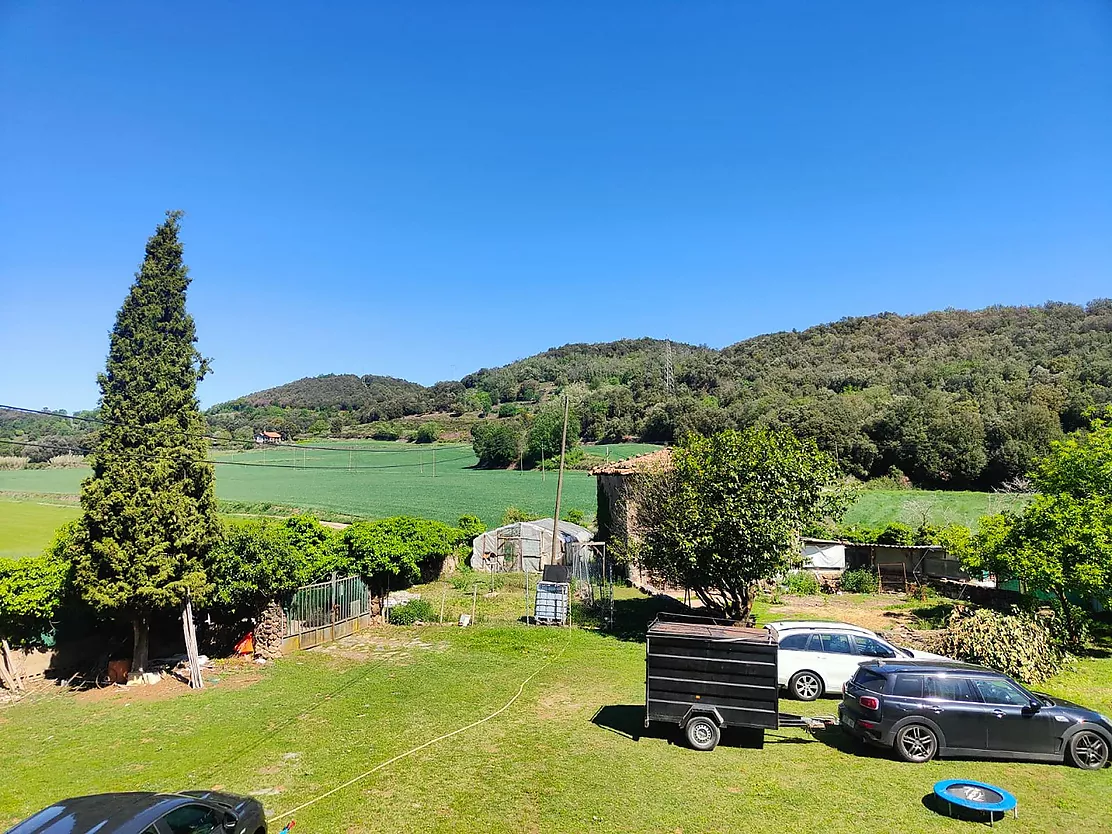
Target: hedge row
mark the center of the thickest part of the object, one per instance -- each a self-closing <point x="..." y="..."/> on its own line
<point x="256" y="561"/>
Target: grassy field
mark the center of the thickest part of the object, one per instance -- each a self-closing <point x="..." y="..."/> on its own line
<point x="387" y="479"/>
<point x="876" y="507"/>
<point x="569" y="755"/>
<point x="26" y="528"/>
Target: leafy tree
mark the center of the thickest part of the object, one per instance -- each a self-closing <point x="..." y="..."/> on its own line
<point x="496" y="444"/>
<point x="393" y="551"/>
<point x="256" y="562"/>
<point x="148" y="508"/>
<point x="508" y="410"/>
<point x="427" y="433"/>
<point x="545" y="434"/>
<point x="1061" y="543"/>
<point x="728" y="512"/>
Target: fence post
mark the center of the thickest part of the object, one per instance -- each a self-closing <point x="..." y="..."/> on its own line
<point x="332" y="607"/>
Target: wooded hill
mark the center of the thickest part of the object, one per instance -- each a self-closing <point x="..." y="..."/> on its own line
<point x="953" y="398"/>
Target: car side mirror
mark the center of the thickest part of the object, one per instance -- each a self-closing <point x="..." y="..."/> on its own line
<point x="1033" y="705"/>
<point x="231" y="821"/>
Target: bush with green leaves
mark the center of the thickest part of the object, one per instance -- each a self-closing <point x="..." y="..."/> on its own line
<point x="1019" y="644"/>
<point x="859" y="581"/>
<point x="427" y="433"/>
<point x="471" y="525"/>
<point x="33" y="590"/>
<point x="803" y="583"/>
<point x="391" y="552"/>
<point x="508" y="410"/>
<point x="897" y="533"/>
<point x="496" y="444"/>
<point x="413" y="611"/>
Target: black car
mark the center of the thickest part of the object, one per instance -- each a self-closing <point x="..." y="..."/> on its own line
<point x="924" y="709"/>
<point x="190" y="812"/>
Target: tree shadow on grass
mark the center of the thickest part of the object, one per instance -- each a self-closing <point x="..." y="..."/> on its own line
<point x="632" y="616"/>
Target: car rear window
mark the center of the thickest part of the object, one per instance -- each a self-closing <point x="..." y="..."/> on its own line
<point x="908" y="686"/>
<point x="795" y="641"/>
<point x="870" y="680"/>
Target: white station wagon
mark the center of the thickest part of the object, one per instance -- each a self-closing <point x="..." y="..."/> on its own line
<point x="815" y="657"/>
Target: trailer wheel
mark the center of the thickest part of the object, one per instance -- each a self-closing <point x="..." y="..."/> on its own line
<point x="805" y="686"/>
<point x="702" y="733"/>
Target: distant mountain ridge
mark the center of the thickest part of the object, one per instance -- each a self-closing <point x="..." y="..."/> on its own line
<point x="948" y="398"/>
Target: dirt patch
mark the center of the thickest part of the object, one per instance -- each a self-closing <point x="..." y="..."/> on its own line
<point x="867" y="612"/>
<point x="227" y="674"/>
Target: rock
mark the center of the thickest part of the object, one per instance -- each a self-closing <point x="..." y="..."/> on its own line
<point x="147" y="678"/>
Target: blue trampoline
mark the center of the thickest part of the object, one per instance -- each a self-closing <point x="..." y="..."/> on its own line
<point x="976" y="796"/>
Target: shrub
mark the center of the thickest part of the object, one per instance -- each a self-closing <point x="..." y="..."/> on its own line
<point x="471" y="525"/>
<point x="1018" y="644"/>
<point x="393" y="551"/>
<point x="254" y="563"/>
<point x="508" y="410"/>
<point x="33" y="590"/>
<point x="13" y="462"/>
<point x="516" y="514"/>
<point x="575" y="516"/>
<point x="803" y="583"/>
<point x="408" y="613"/>
<point x="860" y="581"/>
<point x="427" y="433"/>
<point x="66" y="461"/>
<point x="897" y="533"/>
<point x="497" y="445"/>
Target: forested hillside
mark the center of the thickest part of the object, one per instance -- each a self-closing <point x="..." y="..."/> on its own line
<point x="952" y="399"/>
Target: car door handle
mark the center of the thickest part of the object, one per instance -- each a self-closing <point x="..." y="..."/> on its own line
<point x="936" y="710"/>
<point x="999" y="713"/>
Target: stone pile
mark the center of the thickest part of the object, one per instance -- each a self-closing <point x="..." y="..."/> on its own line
<point x="269" y="631"/>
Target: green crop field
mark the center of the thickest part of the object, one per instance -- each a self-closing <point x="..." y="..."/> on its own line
<point x="26" y="528"/>
<point x="911" y="506"/>
<point x="387" y="479"/>
<point x="570" y="754"/>
<point x="384" y="479"/>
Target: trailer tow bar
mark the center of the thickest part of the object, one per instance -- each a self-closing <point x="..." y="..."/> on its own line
<point x="787" y="720"/>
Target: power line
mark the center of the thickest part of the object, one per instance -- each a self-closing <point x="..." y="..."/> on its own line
<point x="115" y="424"/>
<point x="144" y="456"/>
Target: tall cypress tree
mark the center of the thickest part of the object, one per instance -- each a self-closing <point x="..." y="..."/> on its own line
<point x="149" y="509"/>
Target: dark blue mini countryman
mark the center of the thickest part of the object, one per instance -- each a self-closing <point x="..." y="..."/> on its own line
<point x="923" y="709"/>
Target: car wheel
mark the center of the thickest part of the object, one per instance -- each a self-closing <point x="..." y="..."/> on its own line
<point x="805" y="686"/>
<point x="702" y="733"/>
<point x="916" y="743"/>
<point x="1088" y="750"/>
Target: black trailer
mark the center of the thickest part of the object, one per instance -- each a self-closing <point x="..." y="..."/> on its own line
<point x="705" y="674"/>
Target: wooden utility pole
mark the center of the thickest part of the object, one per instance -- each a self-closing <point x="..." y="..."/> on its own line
<point x="559" y="486"/>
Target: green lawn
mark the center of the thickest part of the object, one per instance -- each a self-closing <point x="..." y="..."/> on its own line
<point x="876" y="507"/>
<point x="568" y="756"/>
<point x="26" y="528"/>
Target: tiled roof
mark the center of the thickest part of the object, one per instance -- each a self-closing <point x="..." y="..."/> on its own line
<point x="635" y="464"/>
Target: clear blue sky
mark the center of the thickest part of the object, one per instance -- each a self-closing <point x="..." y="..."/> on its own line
<point x="422" y="189"/>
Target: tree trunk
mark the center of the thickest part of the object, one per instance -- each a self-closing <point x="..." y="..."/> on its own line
<point x="1067" y="616"/>
<point x="140" y="654"/>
